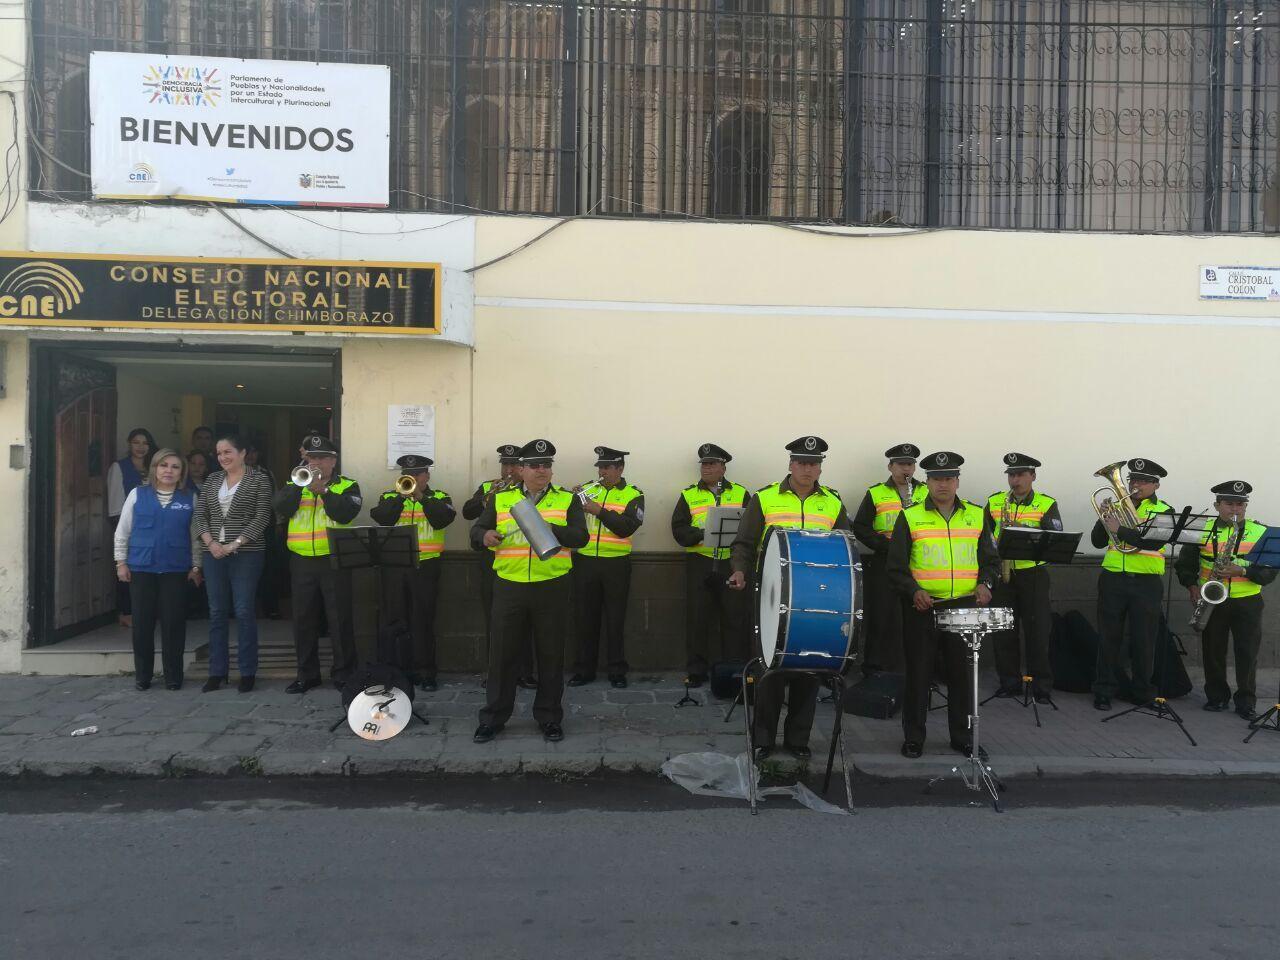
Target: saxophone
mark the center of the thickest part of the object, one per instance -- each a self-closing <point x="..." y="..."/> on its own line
<point x="1006" y="566"/>
<point x="1214" y="591"/>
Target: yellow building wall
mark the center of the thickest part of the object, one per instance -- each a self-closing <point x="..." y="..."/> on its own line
<point x="1076" y="349"/>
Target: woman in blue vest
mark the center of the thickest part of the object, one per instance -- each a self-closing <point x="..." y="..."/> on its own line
<point x="155" y="555"/>
<point x="122" y="477"/>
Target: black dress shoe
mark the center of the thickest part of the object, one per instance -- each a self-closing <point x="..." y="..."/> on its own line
<point x="913" y="749"/>
<point x="429" y="685"/>
<point x="245" y="684"/>
<point x="552" y="732"/>
<point x="695" y="680"/>
<point x="142" y="684"/>
<point x="173" y="686"/>
<point x="484" y="733"/>
<point x="762" y="753"/>
<point x="1101" y="703"/>
<point x="800" y="753"/>
<point x="527" y="683"/>
<point x="302" y="686"/>
<point x="618" y="681"/>
<point x="213" y="683"/>
<point x="581" y="679"/>
<point x="1214" y="706"/>
<point x="967" y="750"/>
<point x="1247" y="713"/>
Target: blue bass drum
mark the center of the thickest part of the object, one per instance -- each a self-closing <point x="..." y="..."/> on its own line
<point x="809" y="594"/>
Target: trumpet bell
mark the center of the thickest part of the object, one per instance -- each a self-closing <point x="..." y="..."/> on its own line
<point x="405" y="485"/>
<point x="301" y="477"/>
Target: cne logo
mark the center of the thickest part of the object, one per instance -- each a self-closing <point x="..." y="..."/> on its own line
<point x="143" y="173"/>
<point x="39" y="290"/>
<point x="182" y="86"/>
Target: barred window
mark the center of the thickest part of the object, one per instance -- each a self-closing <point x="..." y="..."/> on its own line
<point x="1023" y="114"/>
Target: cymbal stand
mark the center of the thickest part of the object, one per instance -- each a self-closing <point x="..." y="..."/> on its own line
<point x="979" y="776"/>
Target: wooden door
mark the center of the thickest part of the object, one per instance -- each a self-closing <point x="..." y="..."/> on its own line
<point x="84" y="428"/>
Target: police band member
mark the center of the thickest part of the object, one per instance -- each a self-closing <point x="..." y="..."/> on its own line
<point x="1240" y="614"/>
<point x="508" y="475"/>
<point x="796" y="501"/>
<point x="715" y="616"/>
<point x="1023" y="584"/>
<point x="529" y="591"/>
<point x="329" y="500"/>
<point x="1129" y="592"/>
<point x="941" y="555"/>
<point x="873" y="525"/>
<point x="602" y="572"/>
<point x="411" y="594"/>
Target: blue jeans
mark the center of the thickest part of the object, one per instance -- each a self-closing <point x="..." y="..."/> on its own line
<point x="233" y="584"/>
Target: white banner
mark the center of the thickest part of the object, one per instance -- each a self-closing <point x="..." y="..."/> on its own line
<point x="251" y="131"/>
<point x="1240" y="283"/>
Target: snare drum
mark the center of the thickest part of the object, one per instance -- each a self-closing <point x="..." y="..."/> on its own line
<point x="809" y="596"/>
<point x="974" y="619"/>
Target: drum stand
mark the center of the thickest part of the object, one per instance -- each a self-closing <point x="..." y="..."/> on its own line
<point x="979" y="775"/>
<point x="1268" y="721"/>
<point x="835" y="683"/>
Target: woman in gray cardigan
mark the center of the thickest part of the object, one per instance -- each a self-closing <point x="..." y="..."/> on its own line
<point x="233" y="510"/>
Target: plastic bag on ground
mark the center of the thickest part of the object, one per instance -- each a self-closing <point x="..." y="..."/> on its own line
<point x="718" y="775"/>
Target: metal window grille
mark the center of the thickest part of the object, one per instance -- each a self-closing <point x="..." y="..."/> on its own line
<point x="1024" y="114"/>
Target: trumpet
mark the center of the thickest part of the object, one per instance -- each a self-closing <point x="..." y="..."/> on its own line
<point x="584" y="488"/>
<point x="1116" y="501"/>
<point x="302" y="475"/>
<point x="405" y="485"/>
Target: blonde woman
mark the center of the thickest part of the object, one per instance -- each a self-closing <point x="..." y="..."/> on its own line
<point x="155" y="556"/>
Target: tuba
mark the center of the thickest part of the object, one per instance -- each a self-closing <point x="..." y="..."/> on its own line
<point x="1214" y="591"/>
<point x="1115" y="500"/>
<point x="405" y="485"/>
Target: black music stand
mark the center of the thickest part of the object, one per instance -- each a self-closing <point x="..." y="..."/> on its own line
<point x="1043" y="546"/>
<point x="376" y="548"/>
<point x="1266" y="553"/>
<point x="718" y="533"/>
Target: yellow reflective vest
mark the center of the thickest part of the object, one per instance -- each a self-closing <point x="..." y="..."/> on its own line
<point x="307" y="534"/>
<point x="699" y="500"/>
<point x="514" y="559"/>
<point x="944" y="553"/>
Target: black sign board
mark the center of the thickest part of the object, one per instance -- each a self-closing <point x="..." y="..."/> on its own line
<point x="75" y="291"/>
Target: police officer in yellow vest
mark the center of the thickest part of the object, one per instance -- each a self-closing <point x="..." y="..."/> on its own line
<point x="1026" y="590"/>
<point x="873" y="525"/>
<point x="1240" y="615"/>
<point x="711" y="608"/>
<point x="508" y="475"/>
<point x="529" y="591"/>
<point x="411" y="594"/>
<point x="1129" y="589"/>
<point x="602" y="570"/>
<point x="796" y="501"/>
<point x="941" y="555"/>
<point x="330" y="500"/>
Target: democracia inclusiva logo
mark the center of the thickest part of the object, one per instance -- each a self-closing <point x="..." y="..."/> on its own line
<point x="143" y="173"/>
<point x="39" y="290"/>
<point x="182" y="86"/>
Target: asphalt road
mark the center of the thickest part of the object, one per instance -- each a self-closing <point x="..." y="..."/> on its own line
<point x="631" y="867"/>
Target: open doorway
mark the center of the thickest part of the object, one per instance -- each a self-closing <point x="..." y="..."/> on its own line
<point x="91" y="397"/>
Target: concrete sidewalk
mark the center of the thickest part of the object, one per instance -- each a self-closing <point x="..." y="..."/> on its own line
<point x="188" y="733"/>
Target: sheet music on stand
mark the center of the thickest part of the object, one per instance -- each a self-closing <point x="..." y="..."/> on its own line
<point x="1182" y="527"/>
<point x="1032" y="543"/>
<point x="722" y="527"/>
